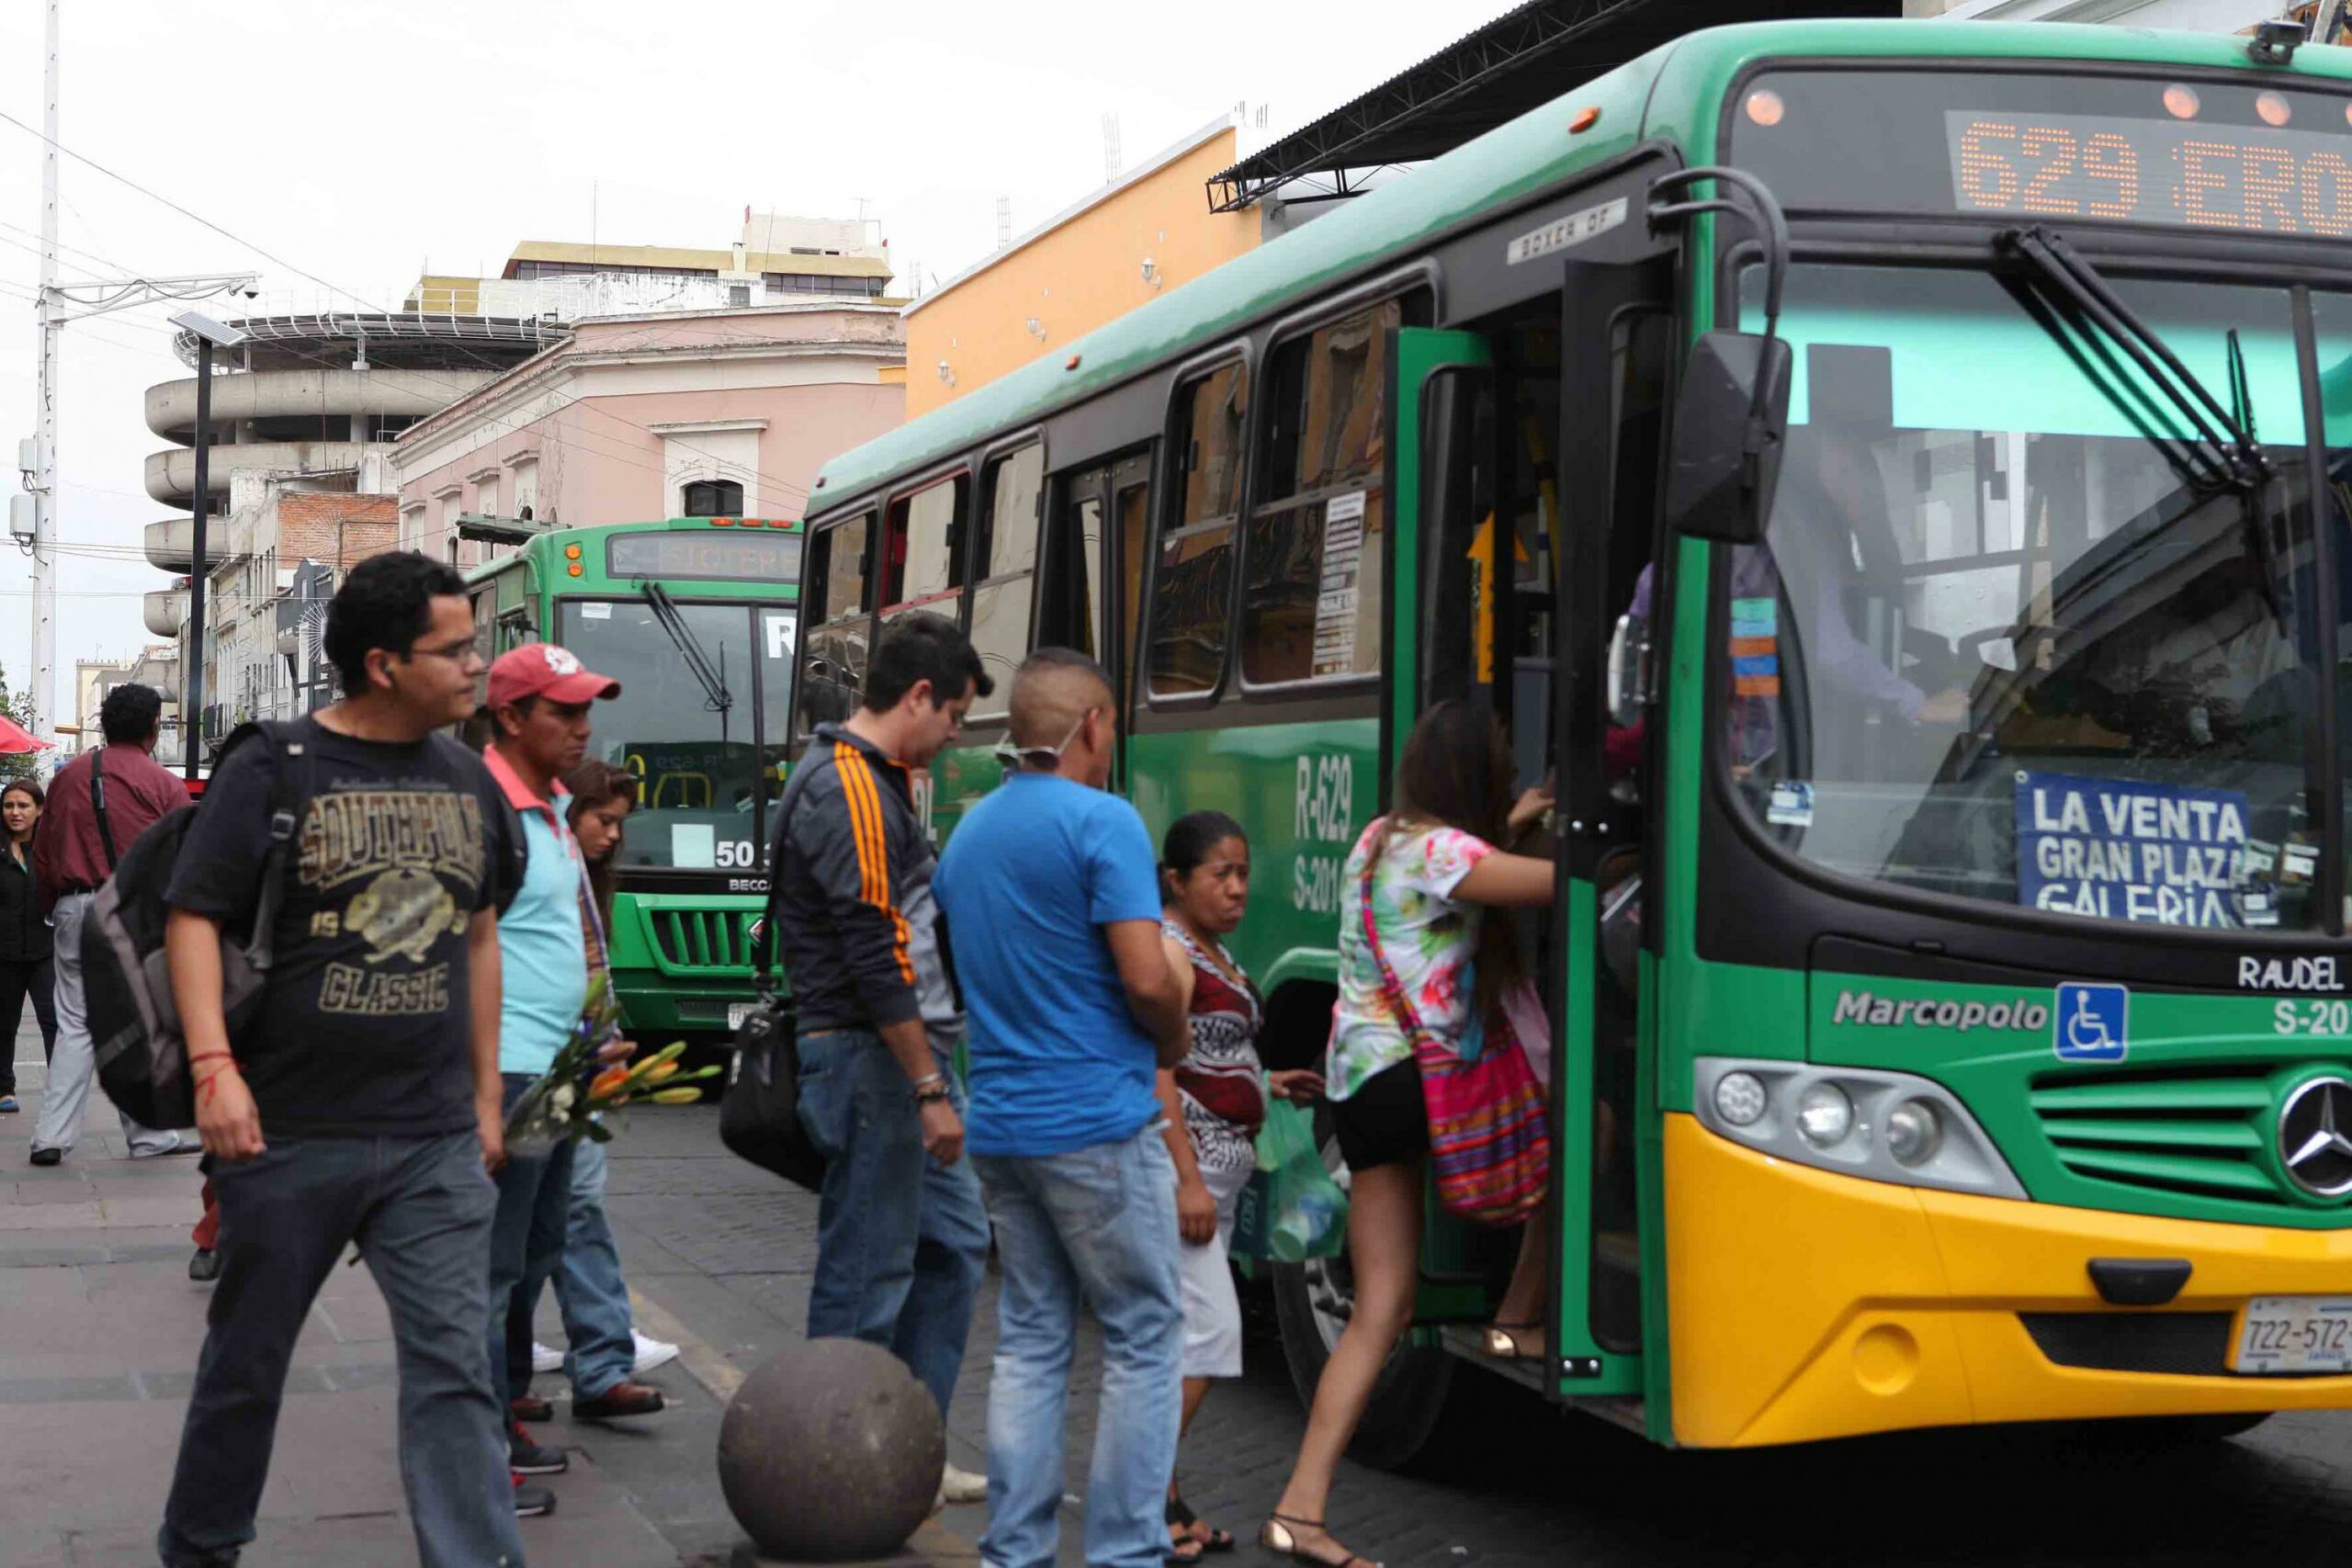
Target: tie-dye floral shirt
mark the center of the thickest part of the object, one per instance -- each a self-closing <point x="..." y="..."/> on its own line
<point x="1427" y="937"/>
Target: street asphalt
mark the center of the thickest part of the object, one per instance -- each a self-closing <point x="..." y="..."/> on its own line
<point x="99" y="1328"/>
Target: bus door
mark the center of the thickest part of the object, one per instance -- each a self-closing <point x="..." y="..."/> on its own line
<point x="1446" y="632"/>
<point x="1616" y="339"/>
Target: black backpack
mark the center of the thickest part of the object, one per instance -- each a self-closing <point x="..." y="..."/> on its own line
<point x="134" y="1025"/>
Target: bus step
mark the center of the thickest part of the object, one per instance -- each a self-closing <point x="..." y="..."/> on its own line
<point x="1469" y="1342"/>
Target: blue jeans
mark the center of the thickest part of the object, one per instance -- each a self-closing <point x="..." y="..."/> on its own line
<point x="420" y="1211"/>
<point x="901" y="1240"/>
<point x="1098" y="1223"/>
<point x="525" y="1245"/>
<point x="589" y="1289"/>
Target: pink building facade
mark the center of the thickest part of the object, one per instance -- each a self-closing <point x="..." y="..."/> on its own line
<point x="643" y="417"/>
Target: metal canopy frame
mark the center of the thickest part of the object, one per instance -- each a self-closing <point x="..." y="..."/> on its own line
<point x="1484" y="80"/>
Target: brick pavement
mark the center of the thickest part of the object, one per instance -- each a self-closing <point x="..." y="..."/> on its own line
<point x="99" y="1331"/>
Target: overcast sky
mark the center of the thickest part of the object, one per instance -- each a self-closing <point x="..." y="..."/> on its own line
<point x="362" y="140"/>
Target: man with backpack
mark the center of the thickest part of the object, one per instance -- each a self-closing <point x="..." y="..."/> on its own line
<point x="99" y="804"/>
<point x="361" y="1103"/>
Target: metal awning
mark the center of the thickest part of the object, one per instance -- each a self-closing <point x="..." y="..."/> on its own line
<point x="1520" y="61"/>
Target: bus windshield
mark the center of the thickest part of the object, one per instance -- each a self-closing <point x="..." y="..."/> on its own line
<point x="704" y="743"/>
<point x="2006" y="638"/>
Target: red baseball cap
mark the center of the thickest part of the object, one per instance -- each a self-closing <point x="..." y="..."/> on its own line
<point x="544" y="670"/>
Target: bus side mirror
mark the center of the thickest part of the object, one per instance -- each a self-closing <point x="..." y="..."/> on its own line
<point x="1730" y="421"/>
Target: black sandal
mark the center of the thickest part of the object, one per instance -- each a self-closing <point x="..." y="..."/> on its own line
<point x="1276" y="1536"/>
<point x="1181" y="1513"/>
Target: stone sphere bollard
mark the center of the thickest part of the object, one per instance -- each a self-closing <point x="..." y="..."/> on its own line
<point x="831" y="1452"/>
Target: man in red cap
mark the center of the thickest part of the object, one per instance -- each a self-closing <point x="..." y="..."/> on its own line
<point x="539" y="698"/>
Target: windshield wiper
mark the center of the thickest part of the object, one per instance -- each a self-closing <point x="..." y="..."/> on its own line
<point x="2224" y="456"/>
<point x="712" y="677"/>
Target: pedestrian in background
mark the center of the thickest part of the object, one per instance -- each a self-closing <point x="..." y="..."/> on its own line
<point x="902" y="1237"/>
<point x="1215" y="1100"/>
<point x="540" y="696"/>
<point x="605" y="1347"/>
<point x="71" y="855"/>
<point x="25" y="967"/>
<point x="362" y="1104"/>
<point x="1053" y="908"/>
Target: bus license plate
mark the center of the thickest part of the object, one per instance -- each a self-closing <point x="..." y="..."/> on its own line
<point x="736" y="1013"/>
<point x="2296" y="1334"/>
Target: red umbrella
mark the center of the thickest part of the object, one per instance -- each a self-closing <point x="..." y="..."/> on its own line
<point x="14" y="740"/>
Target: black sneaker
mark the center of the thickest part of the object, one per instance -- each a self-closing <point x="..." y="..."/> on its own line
<point x="526" y="1457"/>
<point x="532" y="1502"/>
<point x="49" y="1157"/>
<point x="205" y="1267"/>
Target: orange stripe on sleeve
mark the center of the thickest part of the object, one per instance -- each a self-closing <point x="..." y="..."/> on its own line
<point x="865" y="800"/>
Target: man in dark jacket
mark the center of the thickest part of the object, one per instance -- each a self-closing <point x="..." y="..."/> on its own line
<point x="75" y="850"/>
<point x="902" y="1237"/>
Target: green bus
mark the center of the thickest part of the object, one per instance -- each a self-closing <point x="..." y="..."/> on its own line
<point x="1917" y="545"/>
<point x="695" y="617"/>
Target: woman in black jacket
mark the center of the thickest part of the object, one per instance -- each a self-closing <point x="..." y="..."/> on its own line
<point x="23" y="935"/>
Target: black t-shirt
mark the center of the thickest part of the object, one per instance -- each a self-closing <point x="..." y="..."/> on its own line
<point x="365" y="1028"/>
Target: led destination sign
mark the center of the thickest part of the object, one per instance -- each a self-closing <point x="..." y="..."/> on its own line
<point x="710" y="558"/>
<point x="2148" y="171"/>
<point x="2258" y="156"/>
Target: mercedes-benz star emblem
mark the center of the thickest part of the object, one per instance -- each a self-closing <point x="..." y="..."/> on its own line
<point x="2315" y="1136"/>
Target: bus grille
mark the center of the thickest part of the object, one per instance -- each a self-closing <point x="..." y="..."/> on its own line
<point x="2194" y="1131"/>
<point x="702" y="938"/>
<point x="2190" y="1344"/>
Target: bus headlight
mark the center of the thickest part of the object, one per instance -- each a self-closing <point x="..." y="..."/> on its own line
<point x="1914" y="1132"/>
<point x="1740" y="1099"/>
<point x="1885" y="1126"/>
<point x="1825" y="1115"/>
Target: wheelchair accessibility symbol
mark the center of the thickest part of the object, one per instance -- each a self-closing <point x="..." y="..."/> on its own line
<point x="2091" y="1022"/>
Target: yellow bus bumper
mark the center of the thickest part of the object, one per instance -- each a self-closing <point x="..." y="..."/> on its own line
<point x="1804" y="1304"/>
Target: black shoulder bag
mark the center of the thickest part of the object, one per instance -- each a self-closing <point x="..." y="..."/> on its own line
<point x="759" y="1116"/>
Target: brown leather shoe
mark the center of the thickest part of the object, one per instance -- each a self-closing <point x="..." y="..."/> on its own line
<point x="623" y="1399"/>
<point x="531" y="1408"/>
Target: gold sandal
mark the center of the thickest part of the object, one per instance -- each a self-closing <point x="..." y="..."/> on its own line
<point x="1275" y="1536"/>
<point x="1503" y="1341"/>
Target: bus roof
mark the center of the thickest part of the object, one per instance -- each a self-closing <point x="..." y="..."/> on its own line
<point x="1669" y="93"/>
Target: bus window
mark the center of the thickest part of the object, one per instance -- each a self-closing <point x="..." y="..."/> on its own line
<point x="926" y="549"/>
<point x="1003" y="575"/>
<point x="1131" y="512"/>
<point x="836" y="586"/>
<point x="1311" y="604"/>
<point x="1191" y="590"/>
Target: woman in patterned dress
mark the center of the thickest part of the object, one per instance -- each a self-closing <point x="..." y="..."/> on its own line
<point x="1215" y="1099"/>
<point x="1435" y="876"/>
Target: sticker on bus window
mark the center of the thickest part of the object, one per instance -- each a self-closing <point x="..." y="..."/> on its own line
<point x="693" y="846"/>
<point x="597" y="610"/>
<point x="2122" y="850"/>
<point x="1335" y="599"/>
<point x="1791" y="805"/>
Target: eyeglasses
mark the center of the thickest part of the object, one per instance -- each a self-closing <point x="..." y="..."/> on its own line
<point x="459" y="650"/>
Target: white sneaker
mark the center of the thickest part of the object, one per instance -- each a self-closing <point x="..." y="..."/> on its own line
<point x="962" y="1487"/>
<point x="544" y="1360"/>
<point x="651" y="1353"/>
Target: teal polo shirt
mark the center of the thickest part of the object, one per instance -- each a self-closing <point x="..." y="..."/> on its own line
<point x="542" y="946"/>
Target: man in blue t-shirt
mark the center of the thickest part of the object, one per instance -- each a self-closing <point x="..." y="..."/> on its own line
<point x="1052" y="901"/>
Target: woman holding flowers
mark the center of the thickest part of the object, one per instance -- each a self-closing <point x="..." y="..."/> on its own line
<point x="604" y="1348"/>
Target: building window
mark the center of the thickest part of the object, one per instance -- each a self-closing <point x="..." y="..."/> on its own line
<point x="1193" y="583"/>
<point x="714" y="498"/>
<point x="1311" y="572"/>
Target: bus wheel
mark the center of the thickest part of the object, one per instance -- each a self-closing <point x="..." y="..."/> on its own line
<point x="1312" y="1304"/>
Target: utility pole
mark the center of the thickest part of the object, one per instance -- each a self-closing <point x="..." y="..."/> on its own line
<point x="44" y="485"/>
<point x="58" y="303"/>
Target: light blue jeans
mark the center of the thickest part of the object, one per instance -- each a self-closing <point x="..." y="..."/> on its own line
<point x="1098" y="1223"/>
<point x="589" y="1287"/>
<point x="901" y="1240"/>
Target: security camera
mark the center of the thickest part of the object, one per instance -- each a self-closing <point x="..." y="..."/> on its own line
<point x="252" y="293"/>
